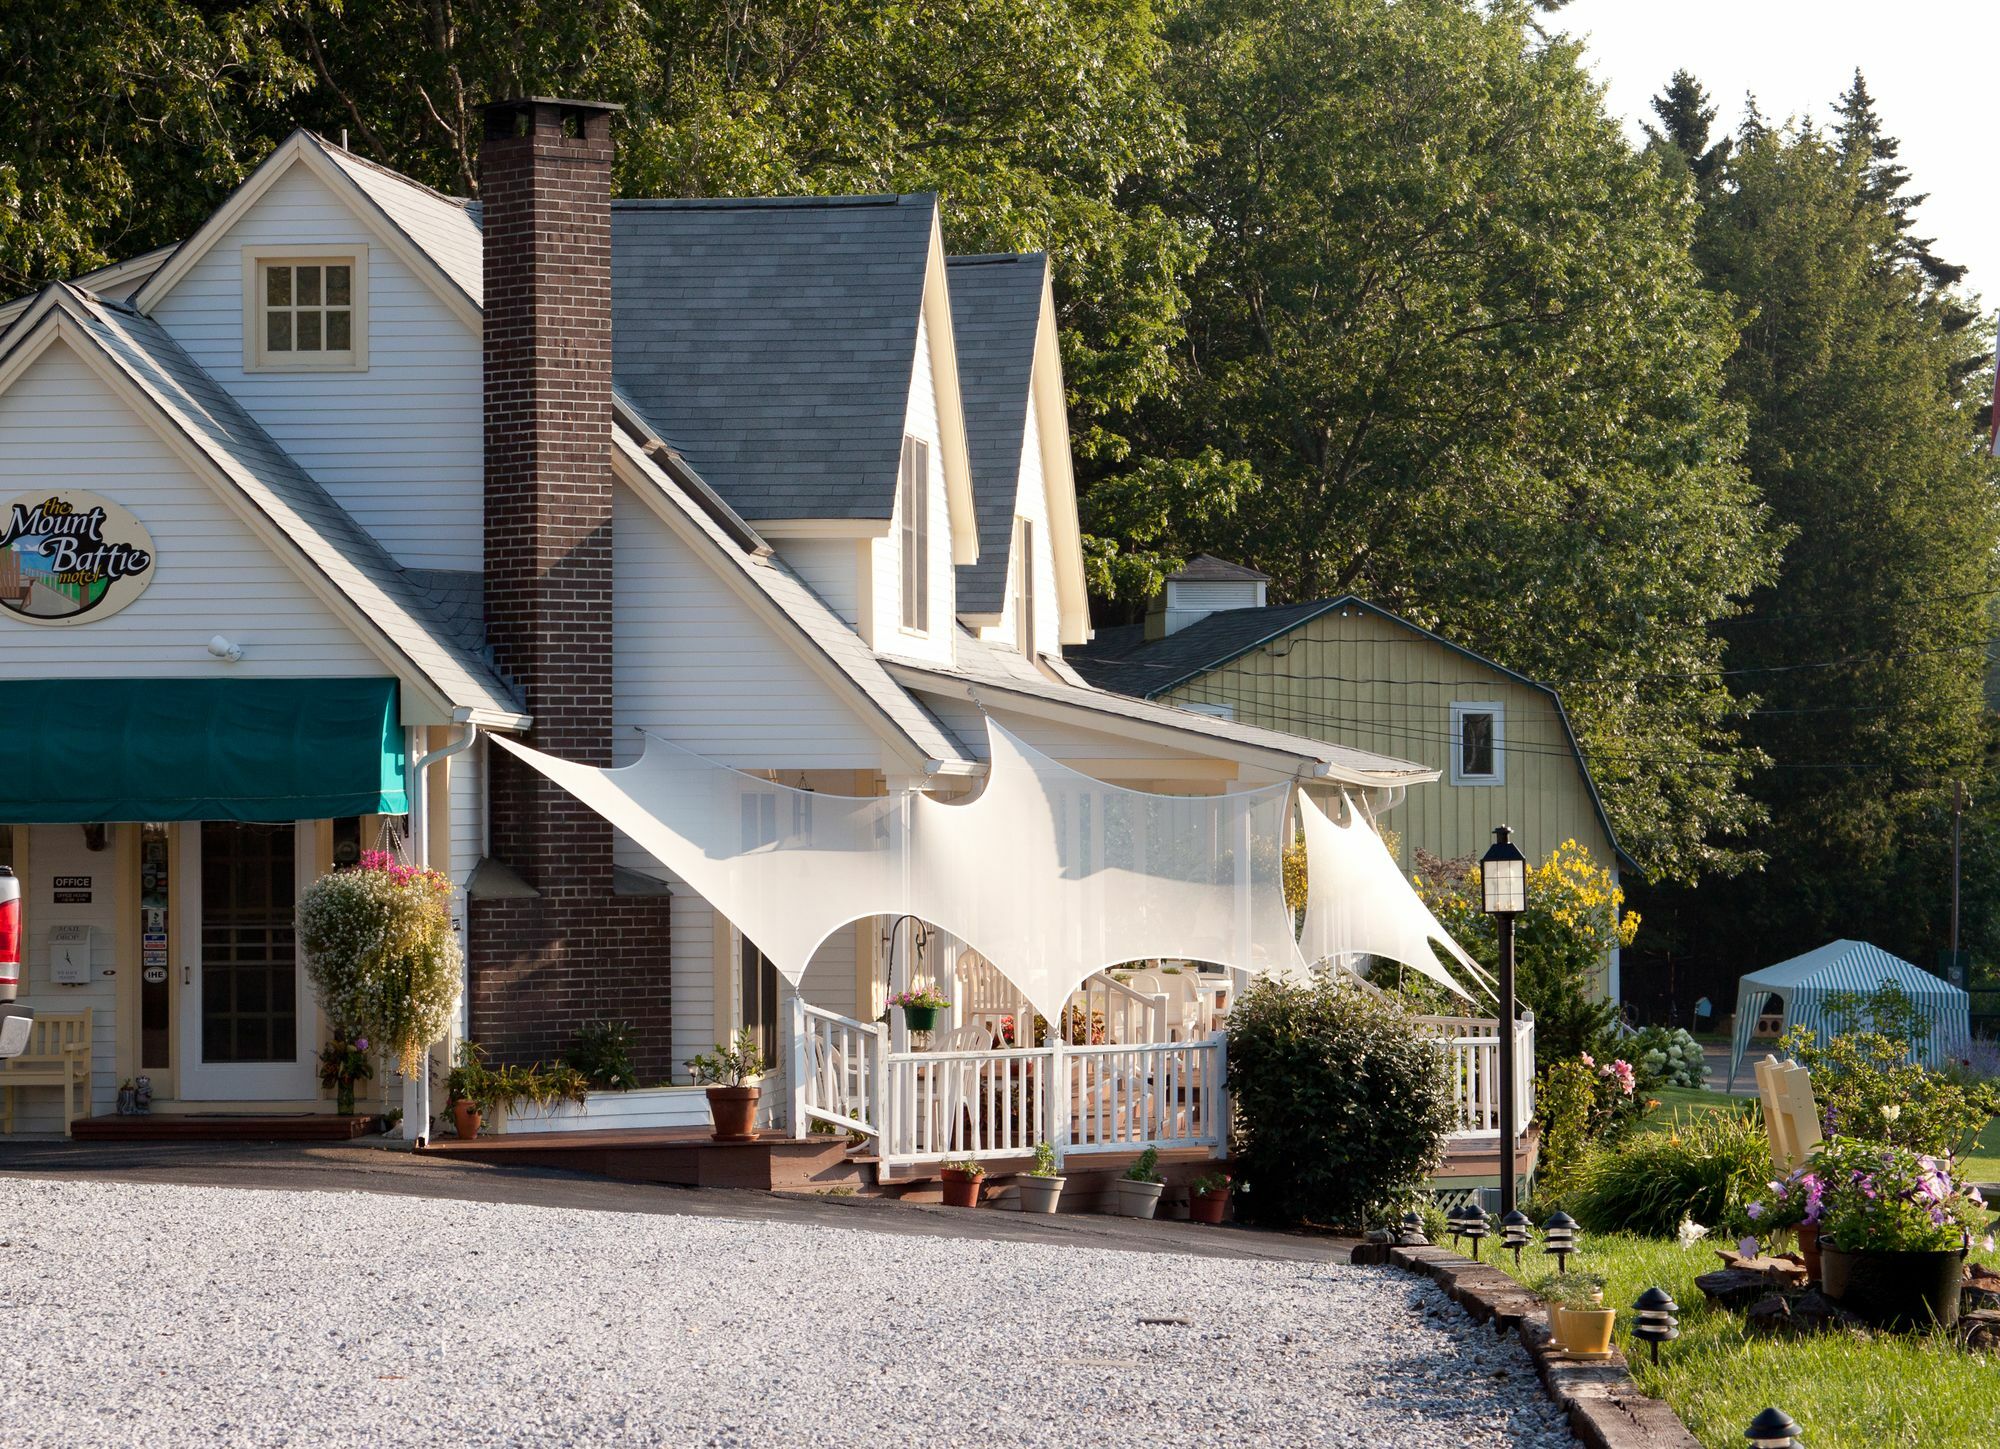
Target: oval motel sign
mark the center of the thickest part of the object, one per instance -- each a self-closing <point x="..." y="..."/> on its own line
<point x="69" y="557"/>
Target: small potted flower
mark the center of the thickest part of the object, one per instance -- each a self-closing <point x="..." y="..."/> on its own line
<point x="730" y="1073"/>
<point x="1894" y="1230"/>
<point x="468" y="1087"/>
<point x="343" y="1062"/>
<point x="920" y="1007"/>
<point x="962" y="1183"/>
<point x="1042" y="1188"/>
<point x="1140" y="1188"/>
<point x="1791" y="1204"/>
<point x="1578" y="1320"/>
<point x="1208" y="1198"/>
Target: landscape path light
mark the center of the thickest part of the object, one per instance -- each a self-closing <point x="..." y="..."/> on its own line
<point x="1503" y="895"/>
<point x="1657" y="1321"/>
<point x="1559" y="1238"/>
<point x="1412" y="1234"/>
<point x="1516" y="1231"/>
<point x="1773" y="1429"/>
<point x="1476" y="1227"/>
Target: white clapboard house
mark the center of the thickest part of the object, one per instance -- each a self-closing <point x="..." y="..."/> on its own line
<point x="360" y="476"/>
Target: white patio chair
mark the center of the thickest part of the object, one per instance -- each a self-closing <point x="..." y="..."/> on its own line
<point x="953" y="1087"/>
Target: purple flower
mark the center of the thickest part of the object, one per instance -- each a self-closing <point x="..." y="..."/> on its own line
<point x="1747" y="1247"/>
<point x="361" y="1044"/>
<point x="1754" y="1211"/>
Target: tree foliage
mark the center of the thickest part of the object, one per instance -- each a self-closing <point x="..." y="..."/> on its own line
<point x="1446" y="349"/>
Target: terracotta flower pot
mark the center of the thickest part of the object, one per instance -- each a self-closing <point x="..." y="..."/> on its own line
<point x="735" y="1112"/>
<point x="1894" y="1290"/>
<point x="1809" y="1249"/>
<point x="1039" y="1194"/>
<point x="1208" y="1207"/>
<point x="1138" y="1199"/>
<point x="962" y="1188"/>
<point x="465" y="1116"/>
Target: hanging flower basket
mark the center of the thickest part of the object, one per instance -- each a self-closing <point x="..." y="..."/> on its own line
<point x="920" y="1008"/>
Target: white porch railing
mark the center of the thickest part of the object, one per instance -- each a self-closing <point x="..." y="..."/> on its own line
<point x="994" y="1102"/>
<point x="1472" y="1045"/>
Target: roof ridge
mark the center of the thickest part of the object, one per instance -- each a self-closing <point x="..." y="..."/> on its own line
<point x="977" y="259"/>
<point x="770" y="203"/>
<point x="339" y="152"/>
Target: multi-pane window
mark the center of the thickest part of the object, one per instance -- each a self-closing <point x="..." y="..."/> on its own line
<point x="1476" y="744"/>
<point x="308" y="307"/>
<point x="249" y="943"/>
<point x="914" y="505"/>
<point x="305" y="312"/>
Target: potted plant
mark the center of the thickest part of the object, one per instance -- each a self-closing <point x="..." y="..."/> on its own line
<point x="343" y="1062"/>
<point x="1791" y="1204"/>
<point x="1140" y="1188"/>
<point x="468" y="1087"/>
<point x="1894" y="1229"/>
<point x="1208" y="1199"/>
<point x="1584" y="1324"/>
<point x="1561" y="1292"/>
<point x="920" y="1007"/>
<point x="962" y="1182"/>
<point x="1042" y="1188"/>
<point x="730" y="1074"/>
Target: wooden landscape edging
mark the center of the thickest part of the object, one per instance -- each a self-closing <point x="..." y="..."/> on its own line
<point x="1603" y="1403"/>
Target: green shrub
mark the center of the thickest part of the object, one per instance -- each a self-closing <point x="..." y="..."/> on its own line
<point x="1579" y="1102"/>
<point x="1666" y="1057"/>
<point x="1342" y="1106"/>
<point x="1707" y="1166"/>
<point x="602" y="1051"/>
<point x="1869" y="1090"/>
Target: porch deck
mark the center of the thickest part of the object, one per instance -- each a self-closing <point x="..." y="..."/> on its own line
<point x="224" y="1127"/>
<point x="671" y="1156"/>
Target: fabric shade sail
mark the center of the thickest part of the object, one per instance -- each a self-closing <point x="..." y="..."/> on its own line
<point x="1359" y="904"/>
<point x="1804" y="983"/>
<point x="80" y="750"/>
<point x="1049" y="874"/>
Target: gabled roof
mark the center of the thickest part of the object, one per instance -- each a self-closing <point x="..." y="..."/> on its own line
<point x="1122" y="659"/>
<point x="773" y="341"/>
<point x="332" y="553"/>
<point x="789" y="605"/>
<point x="1207" y="568"/>
<point x="996" y="315"/>
<point x="983" y="672"/>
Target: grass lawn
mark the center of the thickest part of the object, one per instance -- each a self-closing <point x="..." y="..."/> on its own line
<point x="1982" y="1164"/>
<point x="1685" y="1100"/>
<point x="1846" y="1392"/>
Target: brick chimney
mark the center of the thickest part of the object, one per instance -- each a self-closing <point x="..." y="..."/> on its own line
<point x="541" y="965"/>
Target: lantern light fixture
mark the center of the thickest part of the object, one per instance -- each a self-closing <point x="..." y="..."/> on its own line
<point x="1773" y="1429"/>
<point x="1516" y="1232"/>
<point x="1658" y="1321"/>
<point x="1559" y="1234"/>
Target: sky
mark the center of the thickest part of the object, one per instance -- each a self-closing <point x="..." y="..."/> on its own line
<point x="1932" y="65"/>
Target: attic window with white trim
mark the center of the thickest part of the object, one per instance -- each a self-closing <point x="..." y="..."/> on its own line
<point x="913" y="503"/>
<point x="305" y="310"/>
<point x="1478" y="736"/>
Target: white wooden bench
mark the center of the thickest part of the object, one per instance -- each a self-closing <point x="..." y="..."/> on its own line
<point x="58" y="1055"/>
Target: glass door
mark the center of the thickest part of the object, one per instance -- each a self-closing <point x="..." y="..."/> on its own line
<point x="248" y="1028"/>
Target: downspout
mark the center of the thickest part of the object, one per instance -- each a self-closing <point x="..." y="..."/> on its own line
<point x="417" y="1089"/>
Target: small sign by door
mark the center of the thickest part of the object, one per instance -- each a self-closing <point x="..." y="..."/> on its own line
<point x="72" y="890"/>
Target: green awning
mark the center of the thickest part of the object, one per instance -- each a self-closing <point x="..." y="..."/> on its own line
<point x="74" y="750"/>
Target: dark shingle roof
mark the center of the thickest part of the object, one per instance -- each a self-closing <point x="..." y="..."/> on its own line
<point x="1121" y="659"/>
<point x="774" y="342"/>
<point x="996" y="313"/>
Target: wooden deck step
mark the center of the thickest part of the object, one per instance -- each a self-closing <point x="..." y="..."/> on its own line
<point x="223" y="1127"/>
<point x="674" y="1156"/>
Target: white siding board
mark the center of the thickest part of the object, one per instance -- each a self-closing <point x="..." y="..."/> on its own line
<point x="399" y="444"/>
<point x="55" y="850"/>
<point x="691" y="661"/>
<point x="61" y="425"/>
<point x="828" y="566"/>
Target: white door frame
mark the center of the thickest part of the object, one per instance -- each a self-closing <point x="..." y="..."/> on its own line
<point x="199" y="1081"/>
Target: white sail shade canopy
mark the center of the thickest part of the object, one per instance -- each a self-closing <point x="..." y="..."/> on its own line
<point x="1358" y="902"/>
<point x="1049" y="874"/>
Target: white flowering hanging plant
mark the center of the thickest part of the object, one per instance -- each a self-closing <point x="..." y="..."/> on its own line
<point x="381" y="953"/>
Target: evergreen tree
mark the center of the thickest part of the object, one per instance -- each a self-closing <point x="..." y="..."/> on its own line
<point x="1862" y="142"/>
<point x="1687" y="118"/>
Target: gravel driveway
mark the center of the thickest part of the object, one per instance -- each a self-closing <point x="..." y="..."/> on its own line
<point x="165" y="1315"/>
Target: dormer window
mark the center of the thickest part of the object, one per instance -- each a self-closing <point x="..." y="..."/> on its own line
<point x="305" y="309"/>
<point x="913" y="503"/>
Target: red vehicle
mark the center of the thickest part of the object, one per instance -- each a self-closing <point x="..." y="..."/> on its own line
<point x="14" y="1020"/>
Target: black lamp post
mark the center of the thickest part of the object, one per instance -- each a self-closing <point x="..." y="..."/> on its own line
<point x="1657" y="1322"/>
<point x="1515" y="1231"/>
<point x="1773" y="1429"/>
<point x="1503" y="887"/>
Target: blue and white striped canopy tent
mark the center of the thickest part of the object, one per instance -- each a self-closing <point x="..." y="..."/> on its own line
<point x="1803" y="983"/>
